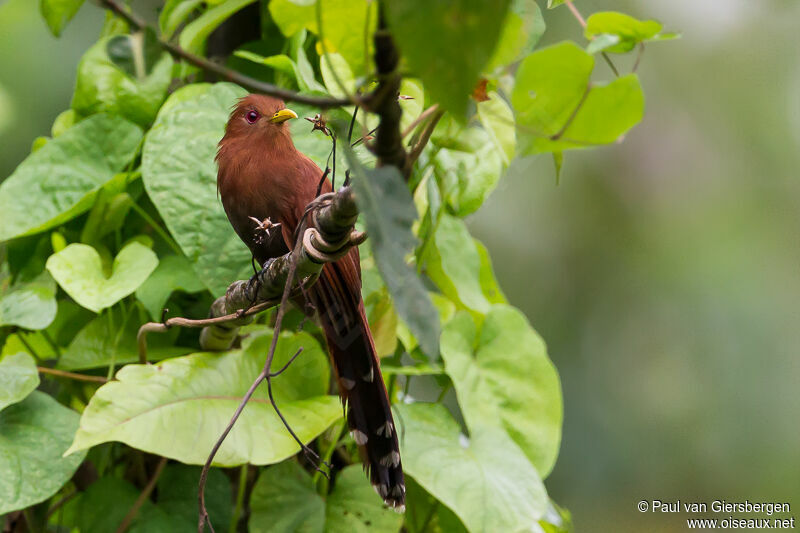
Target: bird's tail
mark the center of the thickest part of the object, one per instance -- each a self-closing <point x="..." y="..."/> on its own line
<point x="361" y="386"/>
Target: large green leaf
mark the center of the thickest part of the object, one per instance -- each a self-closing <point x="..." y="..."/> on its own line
<point x="78" y="269"/>
<point x="447" y="44"/>
<point x="284" y="501"/>
<point x="110" y="338"/>
<point x="498" y="121"/>
<point x="103" y="506"/>
<point x="502" y="375"/>
<point x="485" y="479"/>
<point x="388" y="210"/>
<point x="104" y="85"/>
<point x="57" y="13"/>
<point x="453" y="263"/>
<point x="179" y="407"/>
<point x="29" y="305"/>
<point x="180" y="176"/>
<point x="33" y="436"/>
<point x="59" y="181"/>
<point x="193" y="36"/>
<point x="522" y="28"/>
<point x="557" y="108"/>
<point x="174" y="272"/>
<point x="18" y="378"/>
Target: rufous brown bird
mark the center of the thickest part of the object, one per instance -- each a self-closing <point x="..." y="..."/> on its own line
<point x="263" y="176"/>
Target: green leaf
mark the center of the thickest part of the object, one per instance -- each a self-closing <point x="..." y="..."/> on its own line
<point x="159" y="408"/>
<point x="279" y="62"/>
<point x="554" y="3"/>
<point x="284" y="501"/>
<point x="469" y="163"/>
<point x="557" y="109"/>
<point x="388" y="210"/>
<point x="79" y="271"/>
<point x="174" y="272"/>
<point x="628" y="30"/>
<point x="104" y="505"/>
<point x="502" y="375"/>
<point x="489" y="286"/>
<point x="334" y="67"/>
<point x="193" y="36"/>
<point x="18" y="378"/>
<point x="33" y="436"/>
<point x="522" y="29"/>
<point x="57" y="13"/>
<point x="177" y="495"/>
<point x="59" y="181"/>
<point x="489" y="483"/>
<point x="180" y="177"/>
<point x="344" y="23"/>
<point x="498" y="121"/>
<point x="602" y="42"/>
<point x="447" y="44"/>
<point x="175" y="13"/>
<point x="126" y="75"/>
<point x="454" y="264"/>
<point x="30" y="305"/>
<point x="112" y="339"/>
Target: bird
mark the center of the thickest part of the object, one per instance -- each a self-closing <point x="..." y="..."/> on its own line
<point x="263" y="177"/>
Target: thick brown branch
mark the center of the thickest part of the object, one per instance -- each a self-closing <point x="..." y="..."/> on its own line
<point x="227" y="74"/>
<point x="329" y="235"/>
<point x="388" y="145"/>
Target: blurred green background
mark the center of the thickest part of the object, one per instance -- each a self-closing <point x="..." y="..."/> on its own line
<point x="663" y="272"/>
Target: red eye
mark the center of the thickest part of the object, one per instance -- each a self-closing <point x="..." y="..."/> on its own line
<point x="252" y="116"/>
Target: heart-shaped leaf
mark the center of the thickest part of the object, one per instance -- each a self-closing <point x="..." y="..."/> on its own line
<point x="18" y="378"/>
<point x="79" y="271"/>
<point x="485" y="479"/>
<point x="179" y="407"/>
<point x="33" y="436"/>
<point x="284" y="501"/>
<point x="502" y="376"/>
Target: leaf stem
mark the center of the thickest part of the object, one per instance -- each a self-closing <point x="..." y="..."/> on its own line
<point x="157" y="227"/>
<point x="143" y="496"/>
<point x="237" y="511"/>
<point x="71" y="375"/>
<point x="582" y="22"/>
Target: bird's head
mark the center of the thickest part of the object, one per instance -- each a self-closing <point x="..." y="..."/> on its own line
<point x="261" y="116"/>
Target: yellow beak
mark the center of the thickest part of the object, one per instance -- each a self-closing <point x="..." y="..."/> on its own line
<point x="282" y="116"/>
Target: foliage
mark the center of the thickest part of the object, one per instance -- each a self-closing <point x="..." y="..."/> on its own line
<point x="115" y="220"/>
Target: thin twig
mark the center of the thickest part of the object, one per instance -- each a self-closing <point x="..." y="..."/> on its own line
<point x="638" y="57"/>
<point x="422" y="116"/>
<point x="143" y="496"/>
<point x="610" y="64"/>
<point x="247" y="82"/>
<point x="264" y="375"/>
<point x="582" y="22"/>
<point x="416" y="150"/>
<point x="71" y="375"/>
<point x="576" y="13"/>
<point x="162" y="327"/>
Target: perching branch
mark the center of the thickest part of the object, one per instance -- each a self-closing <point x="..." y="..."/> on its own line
<point x="224" y="73"/>
<point x="388" y="145"/>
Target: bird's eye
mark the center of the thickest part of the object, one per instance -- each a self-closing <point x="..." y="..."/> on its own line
<point x="252" y="116"/>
